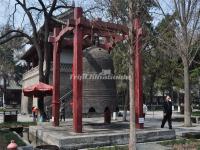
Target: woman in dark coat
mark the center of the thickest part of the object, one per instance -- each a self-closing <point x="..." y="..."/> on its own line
<point x="167" y="112"/>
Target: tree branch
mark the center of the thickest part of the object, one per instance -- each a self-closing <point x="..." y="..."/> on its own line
<point x="53" y="7"/>
<point x="58" y="7"/>
<point x="157" y="2"/>
<point x="194" y="28"/>
<point x="13" y="14"/>
<point x="23" y="18"/>
<point x="31" y="20"/>
<point x="177" y="9"/>
<point x="194" y="4"/>
<point x="10" y="37"/>
<point x="34" y="8"/>
<point x="43" y="7"/>
<point x="90" y="9"/>
<point x="192" y="57"/>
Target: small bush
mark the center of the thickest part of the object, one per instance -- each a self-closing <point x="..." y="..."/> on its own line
<point x="196" y="113"/>
<point x="7" y="136"/>
<point x="17" y="124"/>
<point x="112" y="148"/>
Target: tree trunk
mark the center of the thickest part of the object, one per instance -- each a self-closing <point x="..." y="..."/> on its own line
<point x="48" y="66"/>
<point x="171" y="91"/>
<point x="151" y="94"/>
<point x="163" y="95"/>
<point x="187" y="103"/>
<point x="4" y="90"/>
<point x="125" y="105"/>
<point x="132" y="139"/>
<point x="47" y="51"/>
<point x="41" y="79"/>
<point x="132" y="134"/>
<point x="178" y="101"/>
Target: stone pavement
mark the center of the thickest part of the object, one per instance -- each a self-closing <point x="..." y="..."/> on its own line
<point x="147" y="146"/>
<point x="151" y="146"/>
<point x="96" y="133"/>
<point x="152" y="121"/>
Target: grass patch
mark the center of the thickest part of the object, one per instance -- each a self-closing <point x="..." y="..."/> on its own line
<point x="182" y="144"/>
<point x="196" y="113"/>
<point x="17" y="124"/>
<point x="125" y="147"/>
<point x="179" y="141"/>
<point x="2" y="109"/>
<point x="7" y="136"/>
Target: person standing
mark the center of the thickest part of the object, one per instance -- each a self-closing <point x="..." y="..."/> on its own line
<point x="35" y="113"/>
<point x="167" y="112"/>
<point x="62" y="111"/>
<point x="144" y="110"/>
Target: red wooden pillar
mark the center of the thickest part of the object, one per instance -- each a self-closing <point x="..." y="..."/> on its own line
<point x="138" y="76"/>
<point x="77" y="72"/>
<point x="56" y="79"/>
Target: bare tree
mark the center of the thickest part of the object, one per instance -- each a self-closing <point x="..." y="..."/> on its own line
<point x="8" y="59"/>
<point x="38" y="15"/>
<point x="187" y="22"/>
<point x="132" y="134"/>
<point x="188" y="18"/>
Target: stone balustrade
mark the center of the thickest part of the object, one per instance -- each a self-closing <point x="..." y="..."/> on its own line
<point x="35" y="71"/>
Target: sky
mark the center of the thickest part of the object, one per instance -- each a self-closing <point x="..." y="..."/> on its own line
<point x="3" y="12"/>
<point x="6" y="9"/>
<point x="167" y="7"/>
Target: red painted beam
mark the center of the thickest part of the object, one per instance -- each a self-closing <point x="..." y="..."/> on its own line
<point x="98" y="24"/>
<point x="77" y="71"/>
<point x="63" y="32"/>
<point x="56" y="80"/>
<point x="101" y="25"/>
<point x="138" y="75"/>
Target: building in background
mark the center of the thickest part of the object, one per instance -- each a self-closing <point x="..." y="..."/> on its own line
<point x="11" y="96"/>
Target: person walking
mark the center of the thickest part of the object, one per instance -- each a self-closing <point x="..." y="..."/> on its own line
<point x="167" y="112"/>
<point x="62" y="111"/>
<point x="35" y="113"/>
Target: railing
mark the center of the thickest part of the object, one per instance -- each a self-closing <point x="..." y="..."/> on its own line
<point x="35" y="71"/>
<point x="63" y="67"/>
<point x="63" y="99"/>
<point x="32" y="72"/>
<point x="66" y="96"/>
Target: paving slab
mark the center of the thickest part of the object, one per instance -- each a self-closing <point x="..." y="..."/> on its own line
<point x="95" y="126"/>
<point x="95" y="133"/>
<point x="151" y="146"/>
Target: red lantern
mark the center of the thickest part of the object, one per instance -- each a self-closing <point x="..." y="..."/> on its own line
<point x="12" y="145"/>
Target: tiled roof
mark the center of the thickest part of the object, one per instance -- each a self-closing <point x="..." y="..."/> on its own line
<point x="13" y="85"/>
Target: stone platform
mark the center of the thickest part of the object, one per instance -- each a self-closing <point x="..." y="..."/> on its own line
<point x="95" y="133"/>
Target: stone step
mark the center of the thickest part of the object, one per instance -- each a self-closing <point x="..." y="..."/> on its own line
<point x="94" y="140"/>
<point x="114" y="139"/>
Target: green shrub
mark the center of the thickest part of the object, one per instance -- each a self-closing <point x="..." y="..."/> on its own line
<point x="17" y="124"/>
<point x="7" y="136"/>
<point x="196" y="113"/>
<point x="125" y="147"/>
